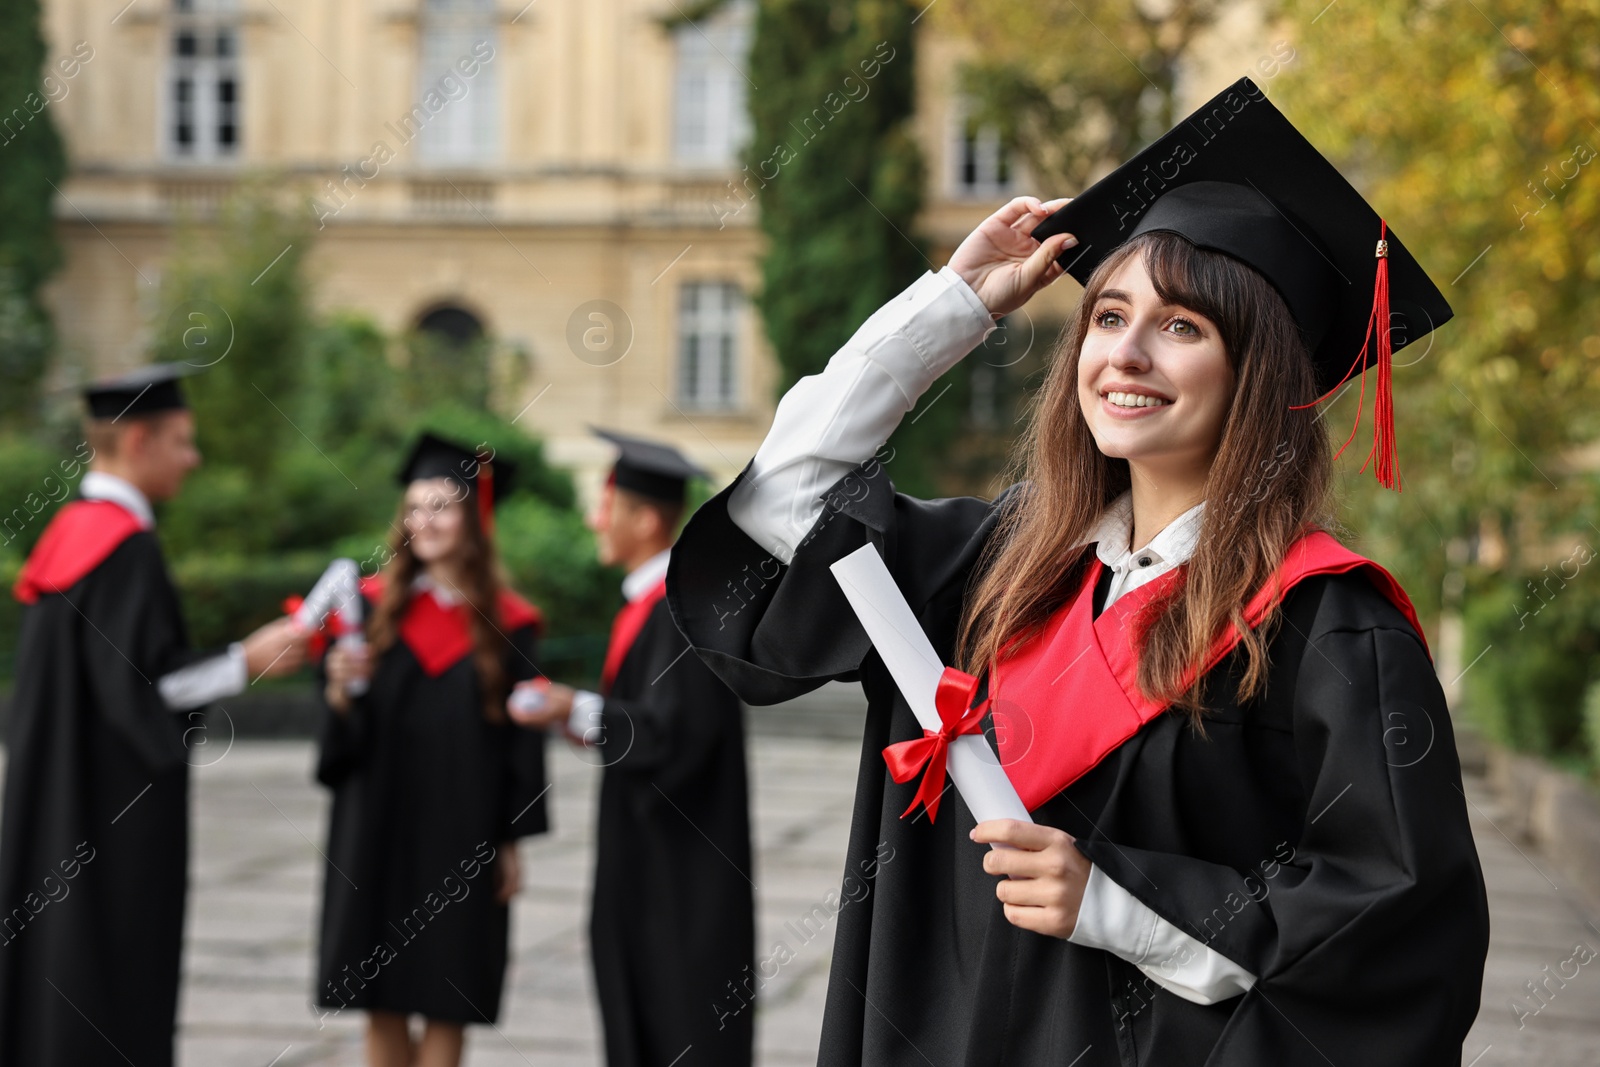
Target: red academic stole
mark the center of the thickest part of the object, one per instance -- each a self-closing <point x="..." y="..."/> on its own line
<point x="78" y="539"/>
<point x="438" y="634"/>
<point x="1069" y="698"/>
<point x="625" y="631"/>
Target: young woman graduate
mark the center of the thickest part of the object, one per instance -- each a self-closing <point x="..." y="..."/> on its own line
<point x="433" y="785"/>
<point x="1250" y="844"/>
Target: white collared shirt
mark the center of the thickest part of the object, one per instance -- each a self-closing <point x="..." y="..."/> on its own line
<point x="587" y="707"/>
<point x="830" y="422"/>
<point x="202" y="682"/>
<point x="445" y="595"/>
<point x="646" y="576"/>
<point x="98" y="485"/>
<point x="1112" y="537"/>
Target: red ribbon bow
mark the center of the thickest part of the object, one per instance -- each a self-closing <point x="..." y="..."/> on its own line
<point x="906" y="758"/>
<point x="319" y="638"/>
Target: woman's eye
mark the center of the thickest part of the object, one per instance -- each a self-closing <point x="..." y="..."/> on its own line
<point x="1184" y="328"/>
<point x="1108" y="319"/>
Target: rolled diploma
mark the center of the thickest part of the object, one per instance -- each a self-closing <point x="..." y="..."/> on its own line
<point x="330" y="593"/>
<point x="916" y="668"/>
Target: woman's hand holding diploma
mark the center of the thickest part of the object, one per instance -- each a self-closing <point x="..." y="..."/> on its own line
<point x="345" y="664"/>
<point x="1005" y="266"/>
<point x="1046" y="874"/>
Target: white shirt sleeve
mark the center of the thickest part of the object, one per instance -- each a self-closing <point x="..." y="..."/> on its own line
<point x="1113" y="919"/>
<point x="830" y="422"/>
<point x="207" y="681"/>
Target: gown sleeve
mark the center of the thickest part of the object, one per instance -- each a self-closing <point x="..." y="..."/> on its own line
<point x="749" y="582"/>
<point x="1369" y="936"/>
<point x="673" y="727"/>
<point x="527" y="809"/>
<point x="828" y="423"/>
<point x="342" y="738"/>
<point x="133" y="636"/>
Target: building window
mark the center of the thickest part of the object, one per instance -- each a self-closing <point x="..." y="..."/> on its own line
<point x="708" y="345"/>
<point x="456" y="115"/>
<point x="203" y="81"/>
<point x="980" y="161"/>
<point x="709" y="121"/>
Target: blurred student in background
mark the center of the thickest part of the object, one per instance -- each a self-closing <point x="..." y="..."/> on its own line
<point x="94" y="847"/>
<point x="433" y="786"/>
<point x="673" y="926"/>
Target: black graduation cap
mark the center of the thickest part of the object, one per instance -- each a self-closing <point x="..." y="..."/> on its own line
<point x="1236" y="177"/>
<point x="650" y="468"/>
<point x="486" y="476"/>
<point x="144" y="391"/>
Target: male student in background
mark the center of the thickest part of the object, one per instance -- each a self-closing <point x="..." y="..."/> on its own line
<point x="94" y="836"/>
<point x="673" y="926"/>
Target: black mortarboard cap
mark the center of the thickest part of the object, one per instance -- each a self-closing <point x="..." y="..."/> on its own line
<point x="144" y="391"/>
<point x="650" y="468"/>
<point x="486" y="475"/>
<point x="1236" y="177"/>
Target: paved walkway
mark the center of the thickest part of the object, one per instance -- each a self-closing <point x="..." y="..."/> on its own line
<point x="259" y="821"/>
<point x="257" y="878"/>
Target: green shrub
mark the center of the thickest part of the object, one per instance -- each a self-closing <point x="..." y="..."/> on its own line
<point x="225" y="597"/>
<point x="549" y="557"/>
<point x="1528" y="689"/>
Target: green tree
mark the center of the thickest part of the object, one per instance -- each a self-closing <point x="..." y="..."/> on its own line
<point x="237" y="310"/>
<point x="1079" y="85"/>
<point x="847" y="174"/>
<point x="1490" y="177"/>
<point x="32" y="164"/>
<point x="836" y="171"/>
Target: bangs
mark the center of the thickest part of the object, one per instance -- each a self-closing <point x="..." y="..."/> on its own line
<point x="1223" y="289"/>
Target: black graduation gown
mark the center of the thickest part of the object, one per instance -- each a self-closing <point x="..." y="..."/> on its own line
<point x="673" y="927"/>
<point x="425" y="792"/>
<point x="95" y="837"/>
<point x="1318" y="835"/>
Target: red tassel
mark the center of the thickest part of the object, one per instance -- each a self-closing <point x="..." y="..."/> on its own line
<point x="1384" y="454"/>
<point x="486" y="496"/>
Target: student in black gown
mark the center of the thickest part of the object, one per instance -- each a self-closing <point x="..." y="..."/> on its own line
<point x="95" y="839"/>
<point x="672" y="931"/>
<point x="433" y="786"/>
<point x="1249" y="842"/>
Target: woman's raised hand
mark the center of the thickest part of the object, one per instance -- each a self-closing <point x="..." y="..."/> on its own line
<point x="1005" y="266"/>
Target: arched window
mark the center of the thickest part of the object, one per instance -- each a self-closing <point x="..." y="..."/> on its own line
<point x="449" y="359"/>
<point x="453" y="325"/>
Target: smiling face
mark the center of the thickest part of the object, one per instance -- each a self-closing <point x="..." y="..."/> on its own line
<point x="435" y="519"/>
<point x="1154" y="379"/>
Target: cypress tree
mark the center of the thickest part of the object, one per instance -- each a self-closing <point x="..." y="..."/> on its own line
<point x="32" y="163"/>
<point x="835" y="168"/>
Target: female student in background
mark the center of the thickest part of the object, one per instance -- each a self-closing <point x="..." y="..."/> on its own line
<point x="1249" y="845"/>
<point x="432" y="784"/>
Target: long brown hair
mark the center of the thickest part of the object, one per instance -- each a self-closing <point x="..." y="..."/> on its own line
<point x="480" y="588"/>
<point x="1269" y="483"/>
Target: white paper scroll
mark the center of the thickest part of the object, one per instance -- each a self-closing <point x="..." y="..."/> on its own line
<point x="332" y="593"/>
<point x="337" y="592"/>
<point x="916" y="668"/>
